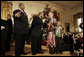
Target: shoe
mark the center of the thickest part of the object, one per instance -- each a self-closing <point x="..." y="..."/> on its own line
<point x="33" y="53"/>
<point x="41" y="52"/>
<point x="57" y="52"/>
<point x="2" y="54"/>
<point x="61" y="53"/>
<point x="7" y="50"/>
<point x="52" y="53"/>
<point x="24" y="53"/>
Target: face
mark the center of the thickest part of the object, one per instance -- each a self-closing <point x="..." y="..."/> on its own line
<point x="50" y="15"/>
<point x="76" y="30"/>
<point x="47" y="5"/>
<point x="8" y="16"/>
<point x="22" y="6"/>
<point x="81" y="30"/>
<point x="58" y="24"/>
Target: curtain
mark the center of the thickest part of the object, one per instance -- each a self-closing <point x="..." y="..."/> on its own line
<point x="6" y="8"/>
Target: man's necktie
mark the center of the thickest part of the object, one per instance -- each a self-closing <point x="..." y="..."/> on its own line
<point x="24" y="13"/>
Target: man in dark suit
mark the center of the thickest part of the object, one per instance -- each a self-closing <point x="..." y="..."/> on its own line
<point x="20" y="29"/>
<point x="9" y="31"/>
<point x="36" y="34"/>
<point x="3" y="38"/>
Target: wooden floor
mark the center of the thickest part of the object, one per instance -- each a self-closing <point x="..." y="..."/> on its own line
<point x="28" y="49"/>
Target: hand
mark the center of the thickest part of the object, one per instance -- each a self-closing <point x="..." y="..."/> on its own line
<point x="2" y="27"/>
<point x="17" y="14"/>
<point x="80" y="50"/>
<point x="48" y="24"/>
<point x="74" y="42"/>
<point x="52" y="26"/>
<point x="82" y="45"/>
<point x="76" y="38"/>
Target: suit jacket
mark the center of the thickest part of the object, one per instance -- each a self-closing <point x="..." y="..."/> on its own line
<point x="4" y="23"/>
<point x="20" y="23"/>
<point x="36" y="28"/>
<point x="4" y="31"/>
<point x="10" y="27"/>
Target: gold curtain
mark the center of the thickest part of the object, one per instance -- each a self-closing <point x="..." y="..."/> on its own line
<point x="6" y="8"/>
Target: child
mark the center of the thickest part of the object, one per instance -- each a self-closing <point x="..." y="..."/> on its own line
<point x="58" y="33"/>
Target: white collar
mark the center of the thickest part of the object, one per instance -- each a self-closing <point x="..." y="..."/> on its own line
<point x="20" y="10"/>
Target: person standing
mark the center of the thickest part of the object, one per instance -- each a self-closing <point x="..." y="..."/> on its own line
<point x="76" y="39"/>
<point x="51" y="37"/>
<point x="71" y="43"/>
<point x="3" y="38"/>
<point x="10" y="31"/>
<point x="20" y="29"/>
<point x="58" y="33"/>
<point x="36" y="34"/>
<point x="51" y="16"/>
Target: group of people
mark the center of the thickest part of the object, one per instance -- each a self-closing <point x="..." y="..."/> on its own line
<point x="43" y="26"/>
<point x="73" y="42"/>
<point x="78" y="42"/>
